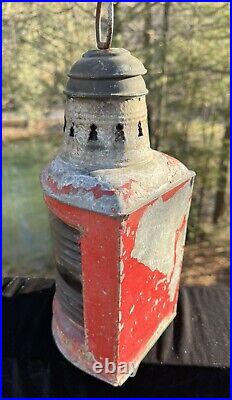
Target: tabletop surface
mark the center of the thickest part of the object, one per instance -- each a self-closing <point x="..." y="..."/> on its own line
<point x="191" y="358"/>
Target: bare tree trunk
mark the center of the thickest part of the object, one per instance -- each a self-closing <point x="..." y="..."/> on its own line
<point x="223" y="171"/>
<point x="165" y="27"/>
<point x="191" y="100"/>
<point x="148" y="62"/>
<point x="118" y="25"/>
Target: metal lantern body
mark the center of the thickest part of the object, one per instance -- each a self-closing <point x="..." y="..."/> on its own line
<point x="119" y="213"/>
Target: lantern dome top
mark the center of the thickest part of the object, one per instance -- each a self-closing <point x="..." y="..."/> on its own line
<point x="106" y="73"/>
<point x="107" y="64"/>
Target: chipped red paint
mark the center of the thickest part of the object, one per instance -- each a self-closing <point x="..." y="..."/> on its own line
<point x="71" y="343"/>
<point x="125" y="302"/>
<point x="100" y="257"/>
<point x="167" y="196"/>
<point x="141" y="314"/>
<point x="99" y="192"/>
<point x="127" y="189"/>
<point x="139" y="325"/>
<point x="64" y="190"/>
<point x="69" y="189"/>
<point x="177" y="236"/>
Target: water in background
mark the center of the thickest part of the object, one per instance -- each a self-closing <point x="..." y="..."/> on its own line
<point x="26" y="234"/>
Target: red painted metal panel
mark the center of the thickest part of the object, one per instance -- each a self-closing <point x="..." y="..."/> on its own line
<point x="128" y="299"/>
<point x="145" y="300"/>
<point x="100" y="266"/>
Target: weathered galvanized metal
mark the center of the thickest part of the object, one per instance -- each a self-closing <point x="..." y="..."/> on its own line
<point x="106" y="73"/>
<point x="107" y="44"/>
<point x="119" y="214"/>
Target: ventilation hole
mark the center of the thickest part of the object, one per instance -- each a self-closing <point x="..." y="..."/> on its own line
<point x="65" y="122"/>
<point x="93" y="132"/>
<point x="140" y="129"/>
<point x="71" y="132"/>
<point x="119" y="134"/>
<point x="139" y="99"/>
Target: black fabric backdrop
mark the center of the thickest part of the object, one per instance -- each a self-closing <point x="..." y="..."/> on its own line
<point x="191" y="359"/>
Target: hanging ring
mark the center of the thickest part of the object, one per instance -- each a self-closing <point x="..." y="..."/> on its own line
<point x="110" y="26"/>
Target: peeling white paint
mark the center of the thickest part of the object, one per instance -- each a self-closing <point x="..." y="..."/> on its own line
<point x="157" y="229"/>
<point x="132" y="309"/>
<point x="121" y="326"/>
<point x="159" y="282"/>
<point x="121" y="267"/>
<point x="174" y="279"/>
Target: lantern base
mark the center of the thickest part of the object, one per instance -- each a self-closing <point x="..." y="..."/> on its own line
<point x="70" y="340"/>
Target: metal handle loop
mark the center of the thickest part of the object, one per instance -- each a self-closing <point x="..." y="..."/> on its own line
<point x="110" y="26"/>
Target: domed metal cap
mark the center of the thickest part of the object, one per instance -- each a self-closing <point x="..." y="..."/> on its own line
<point x="106" y="73"/>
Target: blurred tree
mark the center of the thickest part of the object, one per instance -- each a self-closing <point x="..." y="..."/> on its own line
<point x="223" y="167"/>
<point x="40" y="42"/>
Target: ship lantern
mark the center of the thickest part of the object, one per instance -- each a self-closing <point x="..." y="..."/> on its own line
<point x="118" y="213"/>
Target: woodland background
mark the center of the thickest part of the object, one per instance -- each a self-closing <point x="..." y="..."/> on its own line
<point x="185" y="48"/>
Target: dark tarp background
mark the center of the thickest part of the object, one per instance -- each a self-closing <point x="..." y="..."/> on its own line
<point x="191" y="359"/>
